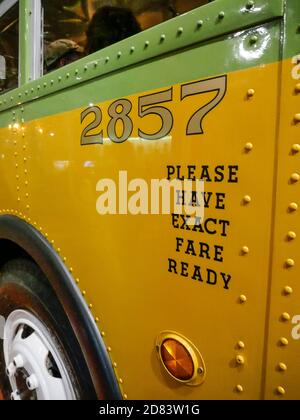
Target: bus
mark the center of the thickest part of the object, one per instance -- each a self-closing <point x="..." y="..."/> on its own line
<point x="107" y="291"/>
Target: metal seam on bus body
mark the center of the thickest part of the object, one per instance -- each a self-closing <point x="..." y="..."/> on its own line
<point x="77" y="282"/>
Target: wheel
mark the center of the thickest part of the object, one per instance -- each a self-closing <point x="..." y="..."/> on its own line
<point x="40" y="358"/>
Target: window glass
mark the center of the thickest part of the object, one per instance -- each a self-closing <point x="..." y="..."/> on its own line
<point x="9" y="49"/>
<point x="75" y="28"/>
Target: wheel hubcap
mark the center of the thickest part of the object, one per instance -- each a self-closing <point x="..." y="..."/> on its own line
<point x="34" y="362"/>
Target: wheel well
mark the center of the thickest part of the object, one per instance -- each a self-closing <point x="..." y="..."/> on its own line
<point x="10" y="251"/>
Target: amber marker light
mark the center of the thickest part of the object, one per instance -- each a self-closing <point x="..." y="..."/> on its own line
<point x="177" y="360"/>
<point x="180" y="358"/>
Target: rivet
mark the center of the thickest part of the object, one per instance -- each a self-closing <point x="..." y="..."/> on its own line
<point x="119" y="54"/>
<point x="284" y="341"/>
<point x="45" y="85"/>
<point x="243" y="299"/>
<point x="200" y="23"/>
<point x="292" y="235"/>
<point x="297" y="88"/>
<point x="132" y="49"/>
<point x="293" y="206"/>
<point x="83" y="293"/>
<point x="28" y="206"/>
<point x="76" y="71"/>
<point x="107" y="60"/>
<point x="180" y="31"/>
<point x="253" y="39"/>
<point x="251" y="93"/>
<point x="281" y="390"/>
<point x="109" y="349"/>
<point x="121" y="381"/>
<point x="125" y="397"/>
<point x="90" y="306"/>
<point x="296" y="148"/>
<point x="52" y="82"/>
<point x="97" y="320"/>
<point x="295" y="177"/>
<point x="245" y="250"/>
<point x="221" y="15"/>
<point x="240" y="360"/>
<point x="282" y="367"/>
<point x="290" y="262"/>
<point x="103" y="334"/>
<point x="147" y="43"/>
<point x="297" y="118"/>
<point x="247" y="199"/>
<point x="239" y="388"/>
<point x="162" y="38"/>
<point x="250" y="4"/>
<point x="96" y="64"/>
<point x="288" y="290"/>
<point x="285" y="316"/>
<point x="241" y="345"/>
<point x="59" y="78"/>
<point x="249" y="147"/>
<point x="85" y="68"/>
<point x="115" y="365"/>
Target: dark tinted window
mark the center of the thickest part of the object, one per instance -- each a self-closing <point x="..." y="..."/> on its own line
<point x="9" y="49"/>
<point x="76" y="28"/>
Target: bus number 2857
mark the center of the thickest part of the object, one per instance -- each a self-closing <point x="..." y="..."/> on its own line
<point x="151" y="104"/>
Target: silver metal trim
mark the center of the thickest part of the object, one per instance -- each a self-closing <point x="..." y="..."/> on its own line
<point x="36" y="39"/>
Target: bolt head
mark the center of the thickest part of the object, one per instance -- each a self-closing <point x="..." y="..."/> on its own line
<point x="288" y="290"/>
<point x="284" y="341"/>
<point x="295" y="177"/>
<point x="32" y="383"/>
<point x="245" y="250"/>
<point x="18" y="361"/>
<point x="249" y="147"/>
<point x="282" y="367"/>
<point x="253" y="39"/>
<point x="286" y="316"/>
<point x="10" y="370"/>
<point x="280" y="390"/>
<point x="240" y="360"/>
<point x="251" y="93"/>
<point x="290" y="263"/>
<point x="292" y="235"/>
<point x="239" y="389"/>
<point x="293" y="206"/>
<point x="296" y="147"/>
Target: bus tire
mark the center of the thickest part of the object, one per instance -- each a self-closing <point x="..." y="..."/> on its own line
<point x="40" y="357"/>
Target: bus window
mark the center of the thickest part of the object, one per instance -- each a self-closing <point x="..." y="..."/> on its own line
<point x="9" y="49"/>
<point x="74" y="28"/>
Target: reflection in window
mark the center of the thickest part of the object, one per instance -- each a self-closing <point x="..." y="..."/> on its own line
<point x="75" y="28"/>
<point x="9" y="49"/>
